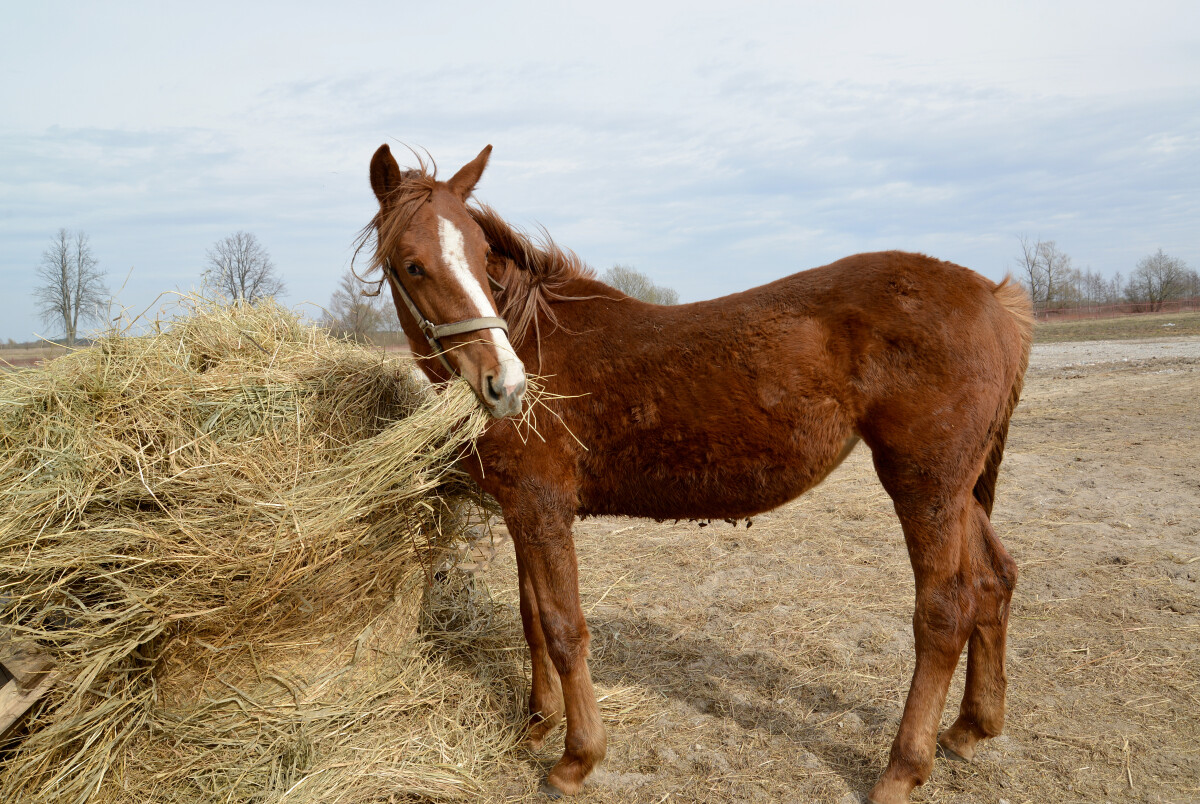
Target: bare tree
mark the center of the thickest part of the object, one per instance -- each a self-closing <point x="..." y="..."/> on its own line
<point x="389" y="321"/>
<point x="1031" y="272"/>
<point x="1192" y="284"/>
<point x="1093" y="287"/>
<point x="239" y="268"/>
<point x="353" y="315"/>
<point x="1059" y="274"/>
<point x="71" y="290"/>
<point x="639" y="286"/>
<point x="1159" y="278"/>
<point x="1113" y="293"/>
<point x="1046" y="272"/>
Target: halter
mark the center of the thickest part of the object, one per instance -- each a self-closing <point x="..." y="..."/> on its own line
<point x="435" y="332"/>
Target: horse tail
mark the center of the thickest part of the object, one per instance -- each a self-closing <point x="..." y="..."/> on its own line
<point x="1015" y="301"/>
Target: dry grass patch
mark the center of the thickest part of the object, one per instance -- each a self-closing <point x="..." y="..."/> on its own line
<point x="1126" y="327"/>
<point x="16" y="357"/>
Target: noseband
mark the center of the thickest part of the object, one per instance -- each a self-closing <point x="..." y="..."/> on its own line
<point x="435" y="332"/>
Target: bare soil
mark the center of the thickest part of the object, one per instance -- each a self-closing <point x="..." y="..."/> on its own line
<point x="24" y="356"/>
<point x="770" y="664"/>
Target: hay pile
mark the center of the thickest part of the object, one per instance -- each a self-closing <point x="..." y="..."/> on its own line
<point x="224" y="533"/>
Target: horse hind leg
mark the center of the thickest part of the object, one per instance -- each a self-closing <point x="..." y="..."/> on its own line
<point x="981" y="714"/>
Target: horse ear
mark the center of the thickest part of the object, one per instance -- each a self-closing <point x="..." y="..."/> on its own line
<point x="464" y="181"/>
<point x="385" y="173"/>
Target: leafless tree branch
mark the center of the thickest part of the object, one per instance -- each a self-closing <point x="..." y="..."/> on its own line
<point x="240" y="269"/>
<point x="353" y="315"/>
<point x="634" y="283"/>
<point x="71" y="289"/>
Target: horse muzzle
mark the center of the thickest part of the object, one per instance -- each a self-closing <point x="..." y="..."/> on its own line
<point x="503" y="392"/>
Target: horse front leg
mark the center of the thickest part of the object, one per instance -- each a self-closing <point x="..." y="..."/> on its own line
<point x="546" y="551"/>
<point x="545" y="691"/>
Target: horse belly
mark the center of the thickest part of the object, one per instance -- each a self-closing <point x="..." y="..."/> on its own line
<point x="718" y="434"/>
<point x="692" y="485"/>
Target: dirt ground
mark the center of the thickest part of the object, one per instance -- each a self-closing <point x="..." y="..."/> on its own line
<point x="770" y="664"/>
<point x="17" y="357"/>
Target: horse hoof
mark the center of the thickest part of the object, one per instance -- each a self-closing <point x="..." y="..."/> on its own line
<point x="537" y="732"/>
<point x="951" y="754"/>
<point x="563" y="781"/>
<point x="549" y="791"/>
<point x="872" y="800"/>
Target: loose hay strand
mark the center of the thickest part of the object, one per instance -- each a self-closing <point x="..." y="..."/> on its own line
<point x="223" y="532"/>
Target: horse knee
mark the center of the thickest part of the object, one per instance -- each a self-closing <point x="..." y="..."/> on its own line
<point x="566" y="640"/>
<point x="945" y="616"/>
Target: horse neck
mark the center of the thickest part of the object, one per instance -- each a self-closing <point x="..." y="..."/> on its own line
<point x="533" y="304"/>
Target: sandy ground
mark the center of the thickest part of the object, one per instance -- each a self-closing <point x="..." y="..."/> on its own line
<point x="770" y="664"/>
<point x="1091" y="353"/>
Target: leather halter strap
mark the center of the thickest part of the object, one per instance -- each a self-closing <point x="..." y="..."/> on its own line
<point x="435" y="332"/>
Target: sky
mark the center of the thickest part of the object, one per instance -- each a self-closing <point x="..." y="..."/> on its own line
<point x="713" y="146"/>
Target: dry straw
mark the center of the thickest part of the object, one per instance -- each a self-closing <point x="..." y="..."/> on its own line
<point x="224" y="534"/>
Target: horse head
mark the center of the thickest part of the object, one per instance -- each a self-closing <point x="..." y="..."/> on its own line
<point x="434" y="257"/>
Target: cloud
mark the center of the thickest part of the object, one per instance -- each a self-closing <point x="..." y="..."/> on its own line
<point x="742" y="147"/>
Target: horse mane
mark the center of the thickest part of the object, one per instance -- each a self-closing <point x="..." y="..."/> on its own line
<point x="534" y="273"/>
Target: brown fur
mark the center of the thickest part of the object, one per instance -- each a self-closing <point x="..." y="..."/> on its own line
<point x="731" y="407"/>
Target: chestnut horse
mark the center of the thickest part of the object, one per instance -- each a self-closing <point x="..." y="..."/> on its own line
<point x="720" y="410"/>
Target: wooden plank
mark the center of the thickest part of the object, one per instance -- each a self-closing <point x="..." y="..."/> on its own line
<point x="25" y="676"/>
<point x="16" y="701"/>
<point x="25" y="662"/>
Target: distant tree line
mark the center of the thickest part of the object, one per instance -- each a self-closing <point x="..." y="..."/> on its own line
<point x="1054" y="282"/>
<point x="71" y="291"/>
<point x="353" y="313"/>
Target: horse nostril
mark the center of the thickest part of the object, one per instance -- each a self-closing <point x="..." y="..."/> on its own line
<point x="494" y="393"/>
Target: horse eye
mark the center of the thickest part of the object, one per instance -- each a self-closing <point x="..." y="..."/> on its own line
<point x="414" y="269"/>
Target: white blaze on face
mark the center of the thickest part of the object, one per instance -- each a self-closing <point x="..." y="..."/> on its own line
<point x="454" y="254"/>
